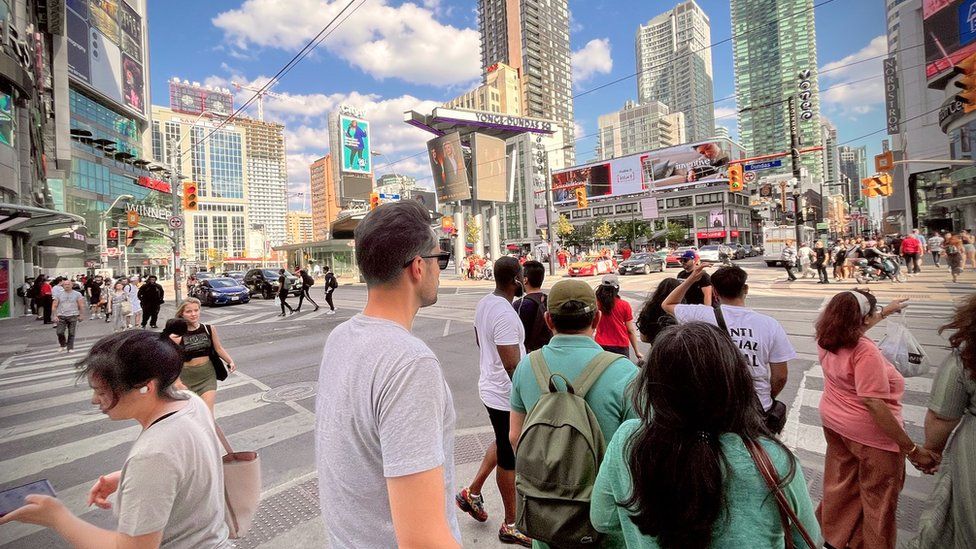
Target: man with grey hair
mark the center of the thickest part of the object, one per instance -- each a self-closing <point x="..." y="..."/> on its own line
<point x="384" y="433"/>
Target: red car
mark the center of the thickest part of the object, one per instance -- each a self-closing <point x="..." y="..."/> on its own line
<point x="673" y="258"/>
<point x="591" y="266"/>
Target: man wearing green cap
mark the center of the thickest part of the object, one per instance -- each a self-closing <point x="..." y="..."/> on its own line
<point x="573" y="315"/>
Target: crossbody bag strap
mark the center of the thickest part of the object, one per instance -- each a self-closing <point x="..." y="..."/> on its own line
<point x="540" y="369"/>
<point x="786" y="512"/>
<point x="592" y="372"/>
<point x="223" y="438"/>
<point x="720" y="318"/>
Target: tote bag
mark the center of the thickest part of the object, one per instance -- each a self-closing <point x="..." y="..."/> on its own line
<point x="242" y="487"/>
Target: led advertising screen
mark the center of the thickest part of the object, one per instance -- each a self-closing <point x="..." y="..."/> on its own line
<point x="662" y="169"/>
<point x="447" y="167"/>
<point x="489" y="169"/>
<point x="950" y="33"/>
<point x="356" y="156"/>
<point x="105" y="50"/>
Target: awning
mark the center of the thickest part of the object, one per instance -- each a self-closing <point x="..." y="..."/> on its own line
<point x="39" y="223"/>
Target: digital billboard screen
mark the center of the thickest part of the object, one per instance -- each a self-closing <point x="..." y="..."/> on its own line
<point x="489" y="168"/>
<point x="662" y="169"/>
<point x="105" y="50"/>
<point x="447" y="167"/>
<point x="356" y="155"/>
<point x="950" y="33"/>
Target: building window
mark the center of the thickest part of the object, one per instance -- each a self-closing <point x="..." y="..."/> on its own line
<point x="7" y="125"/>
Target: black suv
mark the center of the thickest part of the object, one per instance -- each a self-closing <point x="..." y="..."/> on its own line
<point x="265" y="282"/>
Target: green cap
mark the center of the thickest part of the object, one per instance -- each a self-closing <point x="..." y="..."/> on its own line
<point x="568" y="290"/>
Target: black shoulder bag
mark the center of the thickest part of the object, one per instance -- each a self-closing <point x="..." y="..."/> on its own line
<point x="218" y="364"/>
<point x="776" y="415"/>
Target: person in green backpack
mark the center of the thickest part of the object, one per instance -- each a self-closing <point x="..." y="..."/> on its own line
<point x="547" y="420"/>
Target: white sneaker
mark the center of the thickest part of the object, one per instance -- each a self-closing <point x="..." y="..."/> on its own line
<point x="62" y="350"/>
<point x="330" y="313"/>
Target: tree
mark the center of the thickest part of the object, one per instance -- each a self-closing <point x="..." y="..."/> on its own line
<point x="472" y="232"/>
<point x="582" y="236"/>
<point x="673" y="233"/>
<point x="604" y="232"/>
<point x="563" y="227"/>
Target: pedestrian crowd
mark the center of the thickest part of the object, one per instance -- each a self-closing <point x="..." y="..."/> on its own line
<point x="674" y="449"/>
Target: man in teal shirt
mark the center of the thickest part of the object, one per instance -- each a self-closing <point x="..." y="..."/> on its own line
<point x="572" y="315"/>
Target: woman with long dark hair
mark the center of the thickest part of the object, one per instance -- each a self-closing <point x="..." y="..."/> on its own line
<point x="864" y="469"/>
<point x="948" y="520"/>
<point x="170" y="488"/>
<point x="683" y="476"/>
<point x="652" y="318"/>
<point x="616" y="332"/>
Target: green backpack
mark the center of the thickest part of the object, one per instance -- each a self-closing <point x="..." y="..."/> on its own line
<point x="559" y="454"/>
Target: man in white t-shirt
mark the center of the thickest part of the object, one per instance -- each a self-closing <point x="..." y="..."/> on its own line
<point x="760" y="337"/>
<point x="500" y="335"/>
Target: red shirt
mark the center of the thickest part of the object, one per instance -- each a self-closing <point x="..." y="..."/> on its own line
<point x="612" y="330"/>
<point x="45" y="289"/>
<point x="910" y="245"/>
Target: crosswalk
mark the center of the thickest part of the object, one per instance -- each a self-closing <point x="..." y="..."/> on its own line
<point x="261" y="311"/>
<point x="49" y="429"/>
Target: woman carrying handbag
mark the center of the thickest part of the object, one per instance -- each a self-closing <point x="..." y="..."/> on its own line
<point x="203" y="354"/>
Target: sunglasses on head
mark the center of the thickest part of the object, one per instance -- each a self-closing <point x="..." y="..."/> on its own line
<point x="442" y="259"/>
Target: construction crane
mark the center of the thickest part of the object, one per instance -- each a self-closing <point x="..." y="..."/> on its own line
<point x="260" y="94"/>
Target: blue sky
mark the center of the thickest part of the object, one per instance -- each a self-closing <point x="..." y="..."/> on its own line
<point x="390" y="56"/>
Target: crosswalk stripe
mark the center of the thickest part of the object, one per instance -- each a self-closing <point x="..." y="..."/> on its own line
<point x="38" y="388"/>
<point x="255" y="439"/>
<point x="910" y="413"/>
<point x="20" y="377"/>
<point x="913" y="384"/>
<point x="34" y="366"/>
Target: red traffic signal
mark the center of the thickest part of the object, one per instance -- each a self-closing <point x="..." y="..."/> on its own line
<point x="113" y="234"/>
<point x="190" y="200"/>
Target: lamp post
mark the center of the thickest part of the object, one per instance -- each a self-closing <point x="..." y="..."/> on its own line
<point x="103" y="238"/>
<point x="547" y="170"/>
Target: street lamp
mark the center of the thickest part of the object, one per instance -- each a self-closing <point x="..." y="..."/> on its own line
<point x="397" y="176"/>
<point x="103" y="239"/>
<point x="543" y="159"/>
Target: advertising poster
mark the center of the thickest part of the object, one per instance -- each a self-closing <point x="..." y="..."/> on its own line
<point x="663" y="169"/>
<point x="489" y="168"/>
<point x="79" y="60"/>
<point x="447" y="166"/>
<point x="427" y="198"/>
<point x="5" y="305"/>
<point x="950" y="33"/>
<point x="106" y="66"/>
<point x="104" y="17"/>
<point x="132" y="83"/>
<point x="356" y="156"/>
<point x="131" y="25"/>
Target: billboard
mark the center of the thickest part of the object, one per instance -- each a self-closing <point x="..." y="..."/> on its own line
<point x="191" y="99"/>
<point x="447" y="167"/>
<point x="356" y="155"/>
<point x="950" y="33"/>
<point x="427" y="198"/>
<point x="489" y="168"/>
<point x="662" y="169"/>
<point x="105" y="50"/>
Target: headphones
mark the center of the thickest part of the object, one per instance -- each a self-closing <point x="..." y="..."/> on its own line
<point x="143" y="390"/>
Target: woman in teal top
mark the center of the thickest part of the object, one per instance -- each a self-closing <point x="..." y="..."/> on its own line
<point x="681" y="477"/>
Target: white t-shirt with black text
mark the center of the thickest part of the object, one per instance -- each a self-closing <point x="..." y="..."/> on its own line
<point x="497" y="323"/>
<point x="760" y="338"/>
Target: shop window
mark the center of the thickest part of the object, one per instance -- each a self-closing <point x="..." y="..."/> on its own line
<point x="6" y="119"/>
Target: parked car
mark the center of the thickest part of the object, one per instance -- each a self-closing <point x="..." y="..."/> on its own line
<point x="593" y="265"/>
<point x="750" y="250"/>
<point x="738" y="252"/>
<point x="673" y="257"/>
<point x="713" y="252"/>
<point x="642" y="263"/>
<point x="265" y="282"/>
<point x="236" y="275"/>
<point x="221" y="291"/>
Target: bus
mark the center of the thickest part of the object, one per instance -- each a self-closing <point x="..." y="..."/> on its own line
<point x="774" y="240"/>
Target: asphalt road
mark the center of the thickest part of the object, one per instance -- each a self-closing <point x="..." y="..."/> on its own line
<point x="48" y="429"/>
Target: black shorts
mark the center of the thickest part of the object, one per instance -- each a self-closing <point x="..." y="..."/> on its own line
<point x="499" y="424"/>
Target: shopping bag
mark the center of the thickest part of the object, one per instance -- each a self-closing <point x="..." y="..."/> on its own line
<point x="901" y="348"/>
<point x="242" y="487"/>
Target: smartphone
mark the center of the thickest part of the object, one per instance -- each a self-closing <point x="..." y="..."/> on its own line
<point x="13" y="499"/>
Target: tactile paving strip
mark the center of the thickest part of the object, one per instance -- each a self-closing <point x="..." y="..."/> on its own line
<point x="299" y="504"/>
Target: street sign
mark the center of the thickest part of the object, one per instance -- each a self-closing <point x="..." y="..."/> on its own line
<point x="884" y="162"/>
<point x="859" y="203"/>
<point x="749" y="177"/>
<point x="175" y="222"/>
<point x="112" y="251"/>
<point x="132" y="218"/>
<point x="822" y="226"/>
<point x="767" y="165"/>
<point x="389" y="196"/>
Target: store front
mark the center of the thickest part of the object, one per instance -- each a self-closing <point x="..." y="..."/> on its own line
<point x="337" y="254"/>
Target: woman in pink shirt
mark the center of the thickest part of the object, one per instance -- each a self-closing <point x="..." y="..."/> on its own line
<point x="864" y="468"/>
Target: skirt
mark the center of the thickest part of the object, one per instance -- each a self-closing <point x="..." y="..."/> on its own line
<point x="199" y="379"/>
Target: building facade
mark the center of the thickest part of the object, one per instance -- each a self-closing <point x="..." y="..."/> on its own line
<point x="674" y="66"/>
<point x="854" y="166"/>
<point x="831" y="153"/>
<point x="501" y="93"/>
<point x="636" y="128"/>
<point x="394" y="184"/>
<point x="267" y="176"/>
<point x="770" y="67"/>
<point x="299" y="227"/>
<point x="532" y="37"/>
<point x="325" y="201"/>
<point x="215" y="160"/>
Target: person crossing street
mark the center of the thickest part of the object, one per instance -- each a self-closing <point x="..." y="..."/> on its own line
<point x="307" y="282"/>
<point x="69" y="305"/>
<point x="283" y="292"/>
<point x="330" y="285"/>
<point x="151" y="297"/>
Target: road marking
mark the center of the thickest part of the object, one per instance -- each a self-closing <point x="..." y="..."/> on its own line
<point x="447" y="328"/>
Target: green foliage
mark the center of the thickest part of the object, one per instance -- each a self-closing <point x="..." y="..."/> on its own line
<point x="603" y="232"/>
<point x="472" y="231"/>
<point x="563" y="227"/>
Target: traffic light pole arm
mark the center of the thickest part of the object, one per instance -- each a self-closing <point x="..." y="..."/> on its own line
<point x="157" y="231"/>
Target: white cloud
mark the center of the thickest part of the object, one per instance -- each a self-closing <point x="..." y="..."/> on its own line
<point x="858" y="97"/>
<point x="724" y="116"/>
<point x="594" y="58"/>
<point x="405" y="42"/>
<point x="578" y="130"/>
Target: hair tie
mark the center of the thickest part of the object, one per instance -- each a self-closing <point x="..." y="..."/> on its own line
<point x="704" y="436"/>
<point x="862" y="302"/>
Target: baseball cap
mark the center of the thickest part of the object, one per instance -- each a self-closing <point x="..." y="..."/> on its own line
<point x="689" y="254"/>
<point x="565" y="291"/>
<point x="611" y="280"/>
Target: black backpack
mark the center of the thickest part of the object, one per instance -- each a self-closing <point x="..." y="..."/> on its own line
<point x="330" y="281"/>
<point x="307" y="279"/>
<point x="538" y="333"/>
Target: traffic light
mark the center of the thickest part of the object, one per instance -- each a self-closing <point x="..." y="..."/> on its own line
<point x="112" y="238"/>
<point x="967" y="68"/>
<point x="190" y="197"/>
<point x="131" y="236"/>
<point x="735" y="178"/>
<point x="374" y="200"/>
<point x="871" y="187"/>
<point x="581" y="201"/>
<point x="885" y="187"/>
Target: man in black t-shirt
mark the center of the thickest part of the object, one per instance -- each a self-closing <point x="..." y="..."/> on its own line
<point x="531" y="307"/>
<point x="700" y="293"/>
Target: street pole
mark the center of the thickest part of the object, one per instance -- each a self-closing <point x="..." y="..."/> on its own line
<point x="795" y="159"/>
<point x="174" y="183"/>
<point x="552" y="230"/>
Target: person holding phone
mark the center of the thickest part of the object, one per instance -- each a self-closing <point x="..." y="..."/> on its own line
<point x="170" y="490"/>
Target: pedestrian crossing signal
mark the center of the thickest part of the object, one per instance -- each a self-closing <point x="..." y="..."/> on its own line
<point x="735" y="178"/>
<point x="581" y="200"/>
<point x="190" y="200"/>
